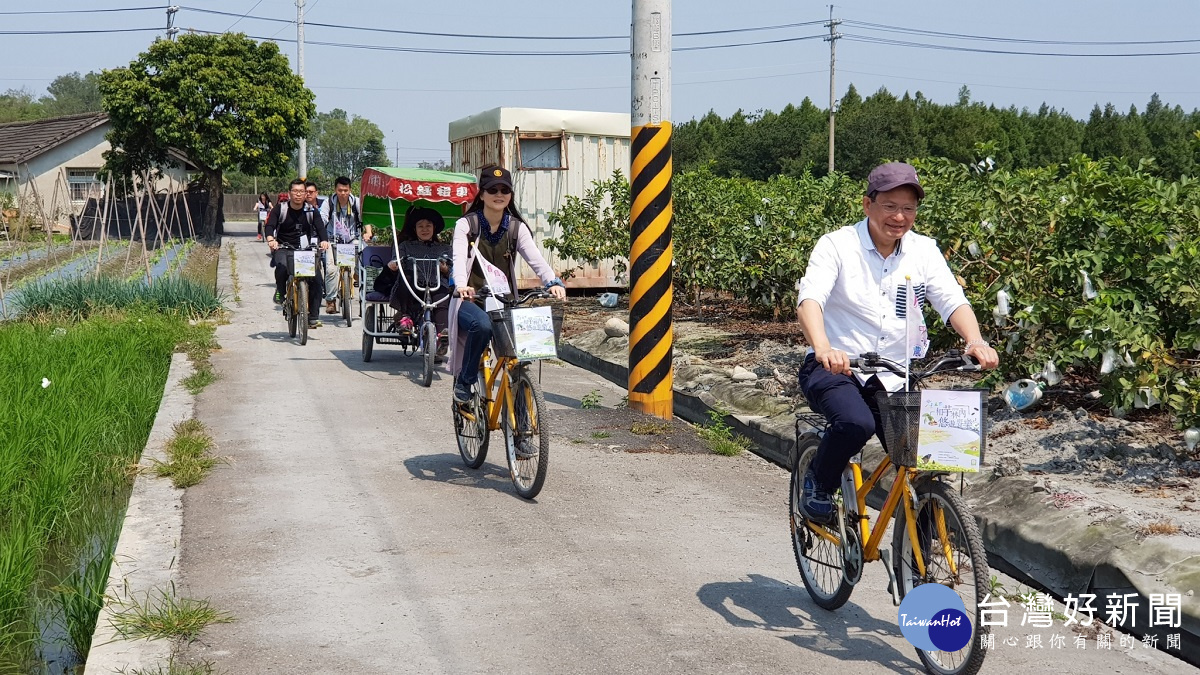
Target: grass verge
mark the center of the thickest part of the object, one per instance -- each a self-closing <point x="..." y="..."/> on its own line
<point x="720" y="437"/>
<point x="189" y="457"/>
<point x="166" y="616"/>
<point x="173" y="667"/>
<point x="233" y="275"/>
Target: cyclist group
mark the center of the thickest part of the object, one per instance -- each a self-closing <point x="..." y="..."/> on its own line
<point x="492" y="233"/>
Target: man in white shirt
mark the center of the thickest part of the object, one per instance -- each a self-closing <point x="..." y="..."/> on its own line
<point x="853" y="299"/>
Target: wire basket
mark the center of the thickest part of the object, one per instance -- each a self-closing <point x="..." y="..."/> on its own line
<point x="900" y="417"/>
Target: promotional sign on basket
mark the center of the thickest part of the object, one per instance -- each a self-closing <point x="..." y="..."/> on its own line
<point x="951" y="433"/>
<point x="533" y="333"/>
<point x="304" y="263"/>
<point x="345" y="255"/>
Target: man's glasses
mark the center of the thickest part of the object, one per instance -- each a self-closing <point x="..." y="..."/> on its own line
<point x="502" y="190"/>
<point x="893" y="209"/>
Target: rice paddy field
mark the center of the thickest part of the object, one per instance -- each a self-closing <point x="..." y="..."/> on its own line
<point x="84" y="369"/>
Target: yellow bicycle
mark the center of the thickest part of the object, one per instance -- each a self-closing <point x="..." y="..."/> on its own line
<point x="508" y="398"/>
<point x="935" y="539"/>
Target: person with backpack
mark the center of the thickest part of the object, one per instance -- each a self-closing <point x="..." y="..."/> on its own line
<point x="293" y="224"/>
<point x="263" y="209"/>
<point x="492" y="232"/>
<point x="343" y="225"/>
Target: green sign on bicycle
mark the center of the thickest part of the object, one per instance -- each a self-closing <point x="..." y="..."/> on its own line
<point x="950" y="437"/>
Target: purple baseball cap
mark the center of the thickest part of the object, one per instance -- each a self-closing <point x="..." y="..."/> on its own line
<point x="891" y="176"/>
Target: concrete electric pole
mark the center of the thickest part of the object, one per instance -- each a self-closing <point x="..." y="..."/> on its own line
<point x="832" y="40"/>
<point x="651" y="333"/>
<point x="302" y="161"/>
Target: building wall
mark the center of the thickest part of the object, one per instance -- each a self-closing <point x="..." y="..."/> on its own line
<point x="540" y="192"/>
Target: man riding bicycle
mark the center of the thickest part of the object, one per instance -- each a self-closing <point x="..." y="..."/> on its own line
<point x="853" y="300"/>
<point x="343" y="225"/>
<point x="293" y="224"/>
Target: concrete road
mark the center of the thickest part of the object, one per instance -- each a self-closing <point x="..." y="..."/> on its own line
<point x="347" y="536"/>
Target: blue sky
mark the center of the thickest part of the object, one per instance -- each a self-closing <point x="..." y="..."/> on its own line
<point x="413" y="96"/>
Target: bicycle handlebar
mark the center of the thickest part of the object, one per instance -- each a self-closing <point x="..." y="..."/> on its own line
<point x="872" y="362"/>
<point x="507" y="299"/>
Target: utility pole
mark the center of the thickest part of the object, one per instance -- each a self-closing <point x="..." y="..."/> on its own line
<point x="303" y="159"/>
<point x="832" y="40"/>
<point x="651" y="331"/>
<point x="397" y="154"/>
<point x="171" y="29"/>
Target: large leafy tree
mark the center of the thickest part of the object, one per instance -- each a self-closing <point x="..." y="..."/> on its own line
<point x="345" y="145"/>
<point x="224" y="101"/>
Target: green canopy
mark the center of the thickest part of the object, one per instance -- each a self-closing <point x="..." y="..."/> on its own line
<point x="392" y="190"/>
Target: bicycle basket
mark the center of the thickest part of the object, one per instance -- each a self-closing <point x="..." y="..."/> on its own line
<point x="900" y="417"/>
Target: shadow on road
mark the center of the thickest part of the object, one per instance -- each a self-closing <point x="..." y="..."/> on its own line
<point x="391" y="364"/>
<point x="448" y="468"/>
<point x="768" y="604"/>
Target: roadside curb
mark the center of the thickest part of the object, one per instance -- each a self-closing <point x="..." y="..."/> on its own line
<point x="1114" y="562"/>
<point x="144" y="561"/>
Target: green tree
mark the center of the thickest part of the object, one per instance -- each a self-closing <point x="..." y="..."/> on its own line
<point x="18" y="105"/>
<point x="224" y="101"/>
<point x="72" y="94"/>
<point x="344" y="146"/>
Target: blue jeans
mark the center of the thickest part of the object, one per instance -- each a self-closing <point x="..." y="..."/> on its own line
<point x="473" y="321"/>
<point x="851" y="411"/>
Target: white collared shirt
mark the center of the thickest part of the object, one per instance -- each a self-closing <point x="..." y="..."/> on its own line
<point x="862" y="294"/>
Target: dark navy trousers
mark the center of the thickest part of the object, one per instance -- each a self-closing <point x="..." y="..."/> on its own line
<point x="478" y="327"/>
<point x="851" y="411"/>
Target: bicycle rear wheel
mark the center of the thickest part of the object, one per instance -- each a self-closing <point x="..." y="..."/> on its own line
<point x="302" y="310"/>
<point x="429" y="349"/>
<point x="938" y="502"/>
<point x="818" y="557"/>
<point x="528" y="442"/>
<point x="346" y="293"/>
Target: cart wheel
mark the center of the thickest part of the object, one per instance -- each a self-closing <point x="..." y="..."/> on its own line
<point x="368" y="344"/>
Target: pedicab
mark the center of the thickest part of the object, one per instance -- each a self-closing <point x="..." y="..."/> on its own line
<point x="387" y="194"/>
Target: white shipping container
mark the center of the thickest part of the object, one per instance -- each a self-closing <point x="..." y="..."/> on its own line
<point x="552" y="154"/>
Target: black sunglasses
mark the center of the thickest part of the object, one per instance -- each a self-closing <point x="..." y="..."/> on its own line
<point x="503" y="190"/>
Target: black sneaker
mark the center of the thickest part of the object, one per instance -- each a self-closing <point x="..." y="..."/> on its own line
<point x="278" y="298"/>
<point x="816" y="503"/>
<point x="462" y="393"/>
<point x="525" y="449"/>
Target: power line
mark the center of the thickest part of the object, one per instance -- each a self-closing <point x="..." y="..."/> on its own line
<point x="979" y="50"/>
<point x="496" y="52"/>
<point x="83" y="11"/>
<point x="79" y="31"/>
<point x="990" y="38"/>
<point x="395" y="31"/>
<point x="239" y="19"/>
<point x="908" y="77"/>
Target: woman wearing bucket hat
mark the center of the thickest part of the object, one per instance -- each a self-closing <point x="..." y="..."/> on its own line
<point x="492" y="231"/>
<point x="419" y="239"/>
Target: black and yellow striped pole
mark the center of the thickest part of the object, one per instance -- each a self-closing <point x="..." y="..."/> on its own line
<point x="650" y="332"/>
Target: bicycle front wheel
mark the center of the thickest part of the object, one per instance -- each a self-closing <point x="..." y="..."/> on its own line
<point x="471" y="426"/>
<point x="346" y="286"/>
<point x="289" y="309"/>
<point x="301" y="310"/>
<point x="818" y="554"/>
<point x="526" y="439"/>
<point x="952" y="551"/>
<point x="428" y="351"/>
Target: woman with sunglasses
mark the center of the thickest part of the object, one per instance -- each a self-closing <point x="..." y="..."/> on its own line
<point x="494" y="231"/>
